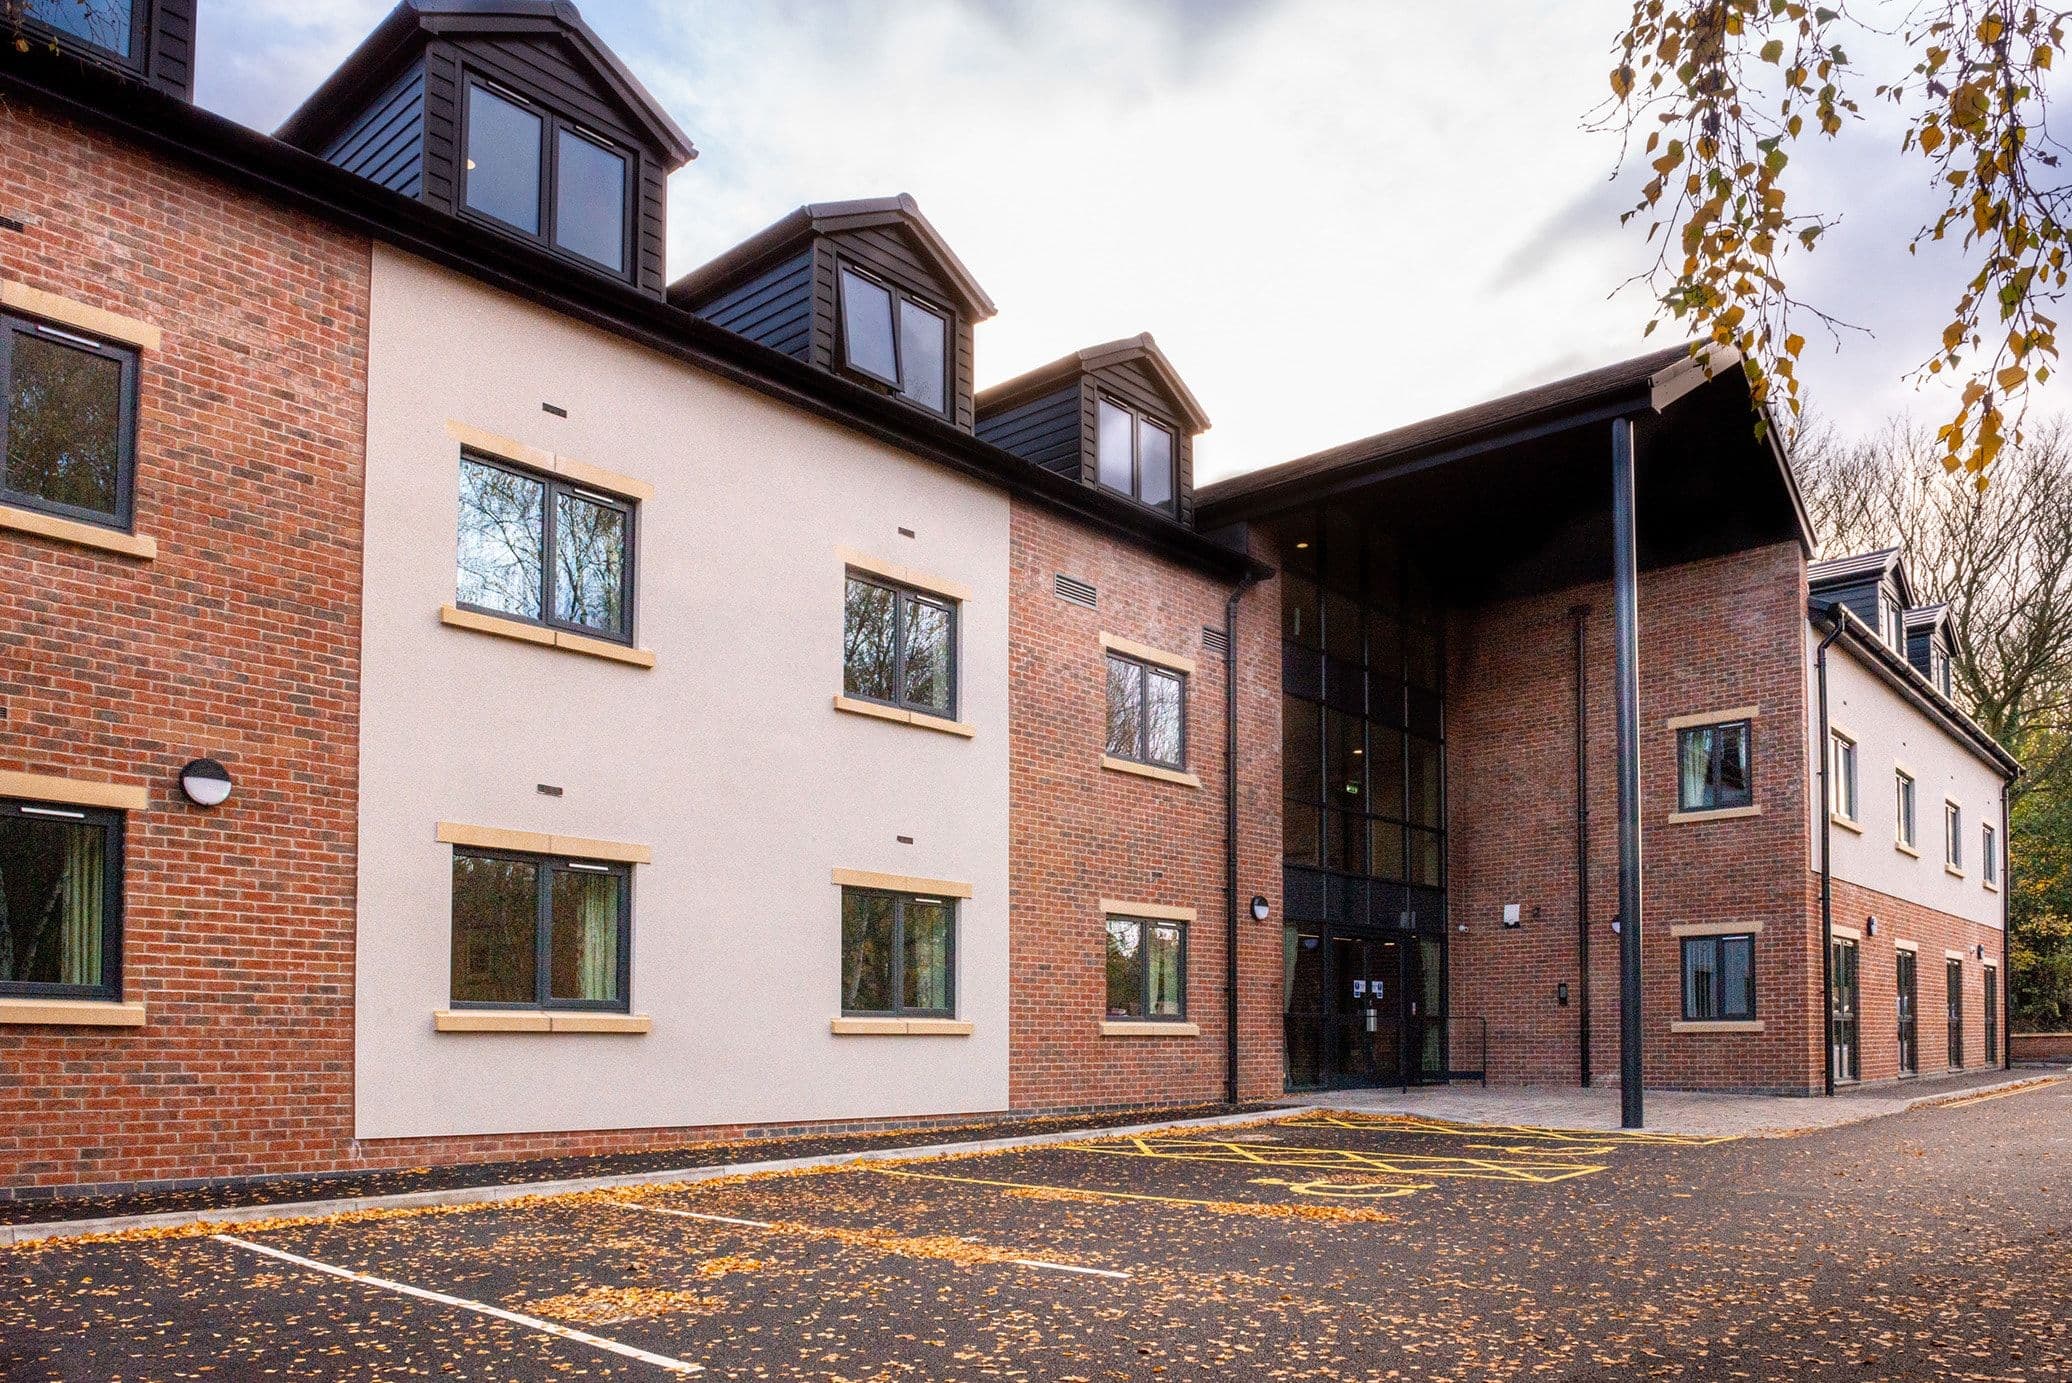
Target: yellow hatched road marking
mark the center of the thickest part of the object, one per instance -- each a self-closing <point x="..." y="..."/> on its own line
<point x="1342" y="1159"/>
<point x="1411" y="1123"/>
<point x="1038" y="1186"/>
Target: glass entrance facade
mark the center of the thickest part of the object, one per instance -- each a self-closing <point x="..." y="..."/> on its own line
<point x="1363" y="758"/>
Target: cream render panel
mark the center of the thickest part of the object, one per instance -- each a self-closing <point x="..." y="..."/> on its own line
<point x="1892" y="733"/>
<point x="726" y="758"/>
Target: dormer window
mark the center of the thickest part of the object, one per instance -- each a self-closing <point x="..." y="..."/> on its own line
<point x="1135" y="455"/>
<point x="547" y="178"/>
<point x="109" y="25"/>
<point x="896" y="339"/>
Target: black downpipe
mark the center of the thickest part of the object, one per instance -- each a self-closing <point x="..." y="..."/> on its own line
<point x="1230" y="838"/>
<point x="2006" y="935"/>
<point x="1827" y="871"/>
<point x="1626" y="698"/>
<point x="1581" y="614"/>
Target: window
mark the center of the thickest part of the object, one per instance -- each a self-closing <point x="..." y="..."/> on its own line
<point x="899" y="647"/>
<point x="69" y="405"/>
<point x="542" y="550"/>
<point x="110" y="25"/>
<point x="1842" y="770"/>
<point x="1953" y="835"/>
<point x="1953" y="989"/>
<point x="1718" y="978"/>
<point x="1147" y="969"/>
<point x="1904" y="787"/>
<point x="1712" y="767"/>
<point x="1989" y="854"/>
<point x="1134" y="455"/>
<point x="1147" y="713"/>
<point x="516" y="151"/>
<point x="896" y="339"/>
<point x="60" y="902"/>
<point x="530" y="931"/>
<point x="899" y="954"/>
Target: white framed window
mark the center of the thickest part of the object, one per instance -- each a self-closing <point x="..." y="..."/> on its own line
<point x="1953" y="835"/>
<point x="1989" y="854"/>
<point x="1903" y="784"/>
<point x="1842" y="795"/>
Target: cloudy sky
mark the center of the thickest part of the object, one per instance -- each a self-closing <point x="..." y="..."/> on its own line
<point x="1337" y="216"/>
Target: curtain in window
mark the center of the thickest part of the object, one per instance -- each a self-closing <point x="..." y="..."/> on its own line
<point x="1163" y="958"/>
<point x="1694" y="762"/>
<point x="79" y="904"/>
<point x="586" y="935"/>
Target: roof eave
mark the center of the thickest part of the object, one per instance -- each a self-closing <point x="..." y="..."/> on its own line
<point x="1863" y="641"/>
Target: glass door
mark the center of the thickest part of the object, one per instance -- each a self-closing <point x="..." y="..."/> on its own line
<point x="1842" y="1012"/>
<point x="1366" y="1029"/>
<point x="1428" y="1011"/>
<point x="1953" y="989"/>
<point x="1302" y="1014"/>
<point x="1907" y="965"/>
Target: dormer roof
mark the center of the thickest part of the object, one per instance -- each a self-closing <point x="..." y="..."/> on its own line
<point x="786" y="235"/>
<point x="1093" y="360"/>
<point x="400" y="39"/>
<point x="1864" y="568"/>
<point x="1926" y="618"/>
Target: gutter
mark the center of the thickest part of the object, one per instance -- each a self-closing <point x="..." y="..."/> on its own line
<point x="304" y="182"/>
<point x="1839" y="617"/>
<point x="1905" y="678"/>
<point x="1230" y="923"/>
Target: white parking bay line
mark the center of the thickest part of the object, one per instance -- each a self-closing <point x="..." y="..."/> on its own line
<point x="482" y="1308"/>
<point x="693" y="1215"/>
<point x="1070" y="1268"/>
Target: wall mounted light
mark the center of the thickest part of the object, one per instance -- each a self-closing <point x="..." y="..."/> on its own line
<point x="1982" y="950"/>
<point x="206" y="783"/>
<point x="1261" y="909"/>
<point x="1870" y="926"/>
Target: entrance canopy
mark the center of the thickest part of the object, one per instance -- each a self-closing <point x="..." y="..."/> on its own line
<point x="1514" y="495"/>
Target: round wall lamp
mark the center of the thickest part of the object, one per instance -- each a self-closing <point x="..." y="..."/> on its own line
<point x="1261" y="909"/>
<point x="1982" y="950"/>
<point x="1870" y="926"/>
<point x="206" y="783"/>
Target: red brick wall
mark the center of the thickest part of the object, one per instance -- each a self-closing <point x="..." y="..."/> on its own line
<point x="239" y="641"/>
<point x="1878" y="984"/>
<point x="1080" y="833"/>
<point x="1714" y="636"/>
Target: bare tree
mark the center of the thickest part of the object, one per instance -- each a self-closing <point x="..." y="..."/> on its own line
<point x="2001" y="558"/>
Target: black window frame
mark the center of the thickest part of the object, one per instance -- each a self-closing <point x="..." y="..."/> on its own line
<point x="114" y="828"/>
<point x="900" y="592"/>
<point x="123" y="520"/>
<point x="1953" y="835"/>
<point x="1138" y="419"/>
<point x="1989" y="998"/>
<point x="556" y="486"/>
<point x="552" y="124"/>
<point x="1745" y="796"/>
<point x="1717" y="944"/>
<point x="140" y="36"/>
<point x="1143" y="924"/>
<point x="1906" y="806"/>
<point x="1988" y="855"/>
<point x="896" y="991"/>
<point x="898" y="294"/>
<point x="545" y="866"/>
<point x="1146" y="670"/>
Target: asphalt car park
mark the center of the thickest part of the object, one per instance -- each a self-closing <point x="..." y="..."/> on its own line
<point x="1932" y="1244"/>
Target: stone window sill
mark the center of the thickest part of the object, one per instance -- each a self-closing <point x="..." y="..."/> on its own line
<point x="899" y="1027"/>
<point x="536" y="1020"/>
<point x="78" y="534"/>
<point x="1729" y="1026"/>
<point x="1953" y="871"/>
<point x="1715" y="814"/>
<point x="1906" y="849"/>
<point x="1149" y="1028"/>
<point x="73" y="1013"/>
<point x="521" y="632"/>
<point x="1846" y="823"/>
<point x="1163" y="775"/>
<point x="899" y="715"/>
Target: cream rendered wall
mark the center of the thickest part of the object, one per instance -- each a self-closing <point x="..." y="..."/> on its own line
<point x="727" y="757"/>
<point x="1892" y="733"/>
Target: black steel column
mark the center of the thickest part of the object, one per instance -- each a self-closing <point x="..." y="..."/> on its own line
<point x="1626" y="692"/>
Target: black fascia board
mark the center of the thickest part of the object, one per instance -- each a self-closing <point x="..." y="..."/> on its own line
<point x="301" y="180"/>
<point x="1902" y="676"/>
